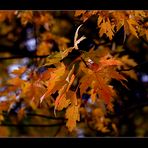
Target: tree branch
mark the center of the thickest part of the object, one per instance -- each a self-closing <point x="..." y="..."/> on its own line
<point x="31" y="125"/>
<point x="44" y="116"/>
<point x="84" y="62"/>
<point x="39" y="115"/>
<point x="20" y="57"/>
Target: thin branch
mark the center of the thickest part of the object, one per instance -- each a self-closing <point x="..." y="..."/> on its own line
<point x="40" y="115"/>
<point x="47" y="117"/>
<point x="84" y="62"/>
<point x="58" y="130"/>
<point x="31" y="125"/>
<point x="24" y="56"/>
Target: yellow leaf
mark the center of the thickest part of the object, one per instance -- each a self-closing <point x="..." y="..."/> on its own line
<point x="72" y="96"/>
<point x="70" y="74"/>
<point x="106" y="28"/>
<point x="54" y="78"/>
<point x="93" y="95"/>
<point x="79" y="12"/>
<point x="131" y="22"/>
<point x="128" y="61"/>
<point x="98" y="112"/>
<point x="131" y="74"/>
<point x="26" y="87"/>
<point x="115" y="128"/>
<point x="53" y="58"/>
<point x="44" y="48"/>
<point x="104" y="61"/>
<point x="56" y="57"/>
<point x="71" y="81"/>
<point x="19" y="71"/>
<point x="61" y="101"/>
<point x="102" y="28"/>
<point x="100" y="18"/>
<point x="15" y="81"/>
<point x="66" y="52"/>
<point x="72" y="114"/>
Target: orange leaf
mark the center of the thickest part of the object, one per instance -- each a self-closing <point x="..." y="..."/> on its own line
<point x="79" y="12"/>
<point x="61" y="101"/>
<point x="15" y="81"/>
<point x="72" y="114"/>
<point x="100" y="18"/>
<point x="19" y="71"/>
<point x="132" y="28"/>
<point x="72" y="96"/>
<point x="54" y="78"/>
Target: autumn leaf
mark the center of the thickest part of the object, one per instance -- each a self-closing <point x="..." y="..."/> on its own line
<point x="44" y="48"/>
<point x="100" y="18"/>
<point x="98" y="78"/>
<point x="131" y="24"/>
<point x="54" y="78"/>
<point x="79" y="12"/>
<point x="71" y="95"/>
<point x="127" y="63"/>
<point x="72" y="114"/>
<point x="57" y="56"/>
<point x="25" y="17"/>
<point x="127" y="60"/>
<point x="15" y="81"/>
<point x="93" y="95"/>
<point x="19" y="71"/>
<point x="61" y="101"/>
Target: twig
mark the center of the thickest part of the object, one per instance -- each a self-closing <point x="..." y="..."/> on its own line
<point x="39" y="115"/>
<point x="47" y="117"/>
<point x="84" y="62"/>
<point x="24" y="56"/>
<point x="31" y="125"/>
<point x="58" y="130"/>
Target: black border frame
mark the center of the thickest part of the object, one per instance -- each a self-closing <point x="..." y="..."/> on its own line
<point x="74" y="4"/>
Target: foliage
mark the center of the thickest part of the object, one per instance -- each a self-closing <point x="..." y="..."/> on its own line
<point x="62" y="81"/>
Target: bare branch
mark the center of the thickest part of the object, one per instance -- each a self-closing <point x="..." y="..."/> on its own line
<point x="31" y="125"/>
<point x="47" y="117"/>
<point x="24" y="56"/>
<point x="39" y="115"/>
